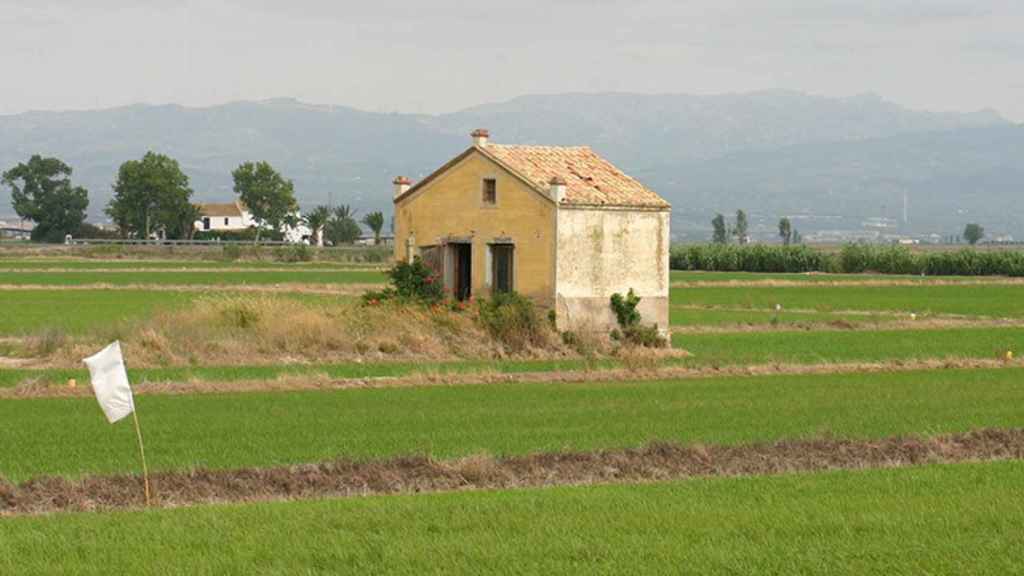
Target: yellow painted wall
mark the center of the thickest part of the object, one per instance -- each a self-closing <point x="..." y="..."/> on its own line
<point x="452" y="206"/>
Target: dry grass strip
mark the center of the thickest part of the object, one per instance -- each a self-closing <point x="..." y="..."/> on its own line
<point x="871" y="282"/>
<point x="656" y="462"/>
<point x="638" y="373"/>
<point x="859" y="325"/>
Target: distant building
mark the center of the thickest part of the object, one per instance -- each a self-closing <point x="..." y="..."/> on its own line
<point x="16" y="229"/>
<point x="220" y="217"/>
<point x="558" y="224"/>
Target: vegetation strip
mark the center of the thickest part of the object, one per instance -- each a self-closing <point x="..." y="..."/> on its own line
<point x="842" y="324"/>
<point x="299" y="382"/>
<point x="657" y="462"/>
<point x="288" y="287"/>
<point x="868" y="282"/>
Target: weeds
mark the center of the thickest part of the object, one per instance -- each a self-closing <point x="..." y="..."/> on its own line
<point x="513" y="320"/>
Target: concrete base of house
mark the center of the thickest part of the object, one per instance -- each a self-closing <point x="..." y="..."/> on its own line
<point x="595" y="313"/>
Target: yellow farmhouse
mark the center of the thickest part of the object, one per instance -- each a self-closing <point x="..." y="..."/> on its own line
<point x="558" y="224"/>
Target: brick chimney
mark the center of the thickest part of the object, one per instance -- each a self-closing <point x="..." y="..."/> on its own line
<point x="557" y="187"/>
<point x="480" y="136"/>
<point x="402" y="185"/>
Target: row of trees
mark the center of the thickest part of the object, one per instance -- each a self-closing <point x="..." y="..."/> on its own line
<point x="722" y="232"/>
<point x="152" y="196"/>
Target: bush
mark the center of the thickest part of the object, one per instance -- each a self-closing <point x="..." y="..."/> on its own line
<point x="631" y="330"/>
<point x="409" y="283"/>
<point x="513" y="320"/>
<point x="293" y="253"/>
<point x="231" y="252"/>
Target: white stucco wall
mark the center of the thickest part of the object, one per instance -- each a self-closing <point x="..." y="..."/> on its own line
<point x="603" y="251"/>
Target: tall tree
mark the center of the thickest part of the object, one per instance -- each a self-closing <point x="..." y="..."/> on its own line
<point x="720" y="235"/>
<point x="152" y="195"/>
<point x="269" y="197"/>
<point x="316" y="220"/>
<point x="375" y="222"/>
<point x="740" y="231"/>
<point x="973" y="233"/>
<point x="785" y="231"/>
<point x="41" y="191"/>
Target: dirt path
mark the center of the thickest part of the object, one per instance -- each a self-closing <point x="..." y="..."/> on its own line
<point x="417" y="474"/>
<point x="639" y="374"/>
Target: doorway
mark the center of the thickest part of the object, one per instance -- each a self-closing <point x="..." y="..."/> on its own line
<point x="461" y="255"/>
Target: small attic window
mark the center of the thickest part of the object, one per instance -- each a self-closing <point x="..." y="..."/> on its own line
<point x="490" y="191"/>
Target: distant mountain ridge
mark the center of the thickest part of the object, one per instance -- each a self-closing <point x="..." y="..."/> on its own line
<point x="770" y="152"/>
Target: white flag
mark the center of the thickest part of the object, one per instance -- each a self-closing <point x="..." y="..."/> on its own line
<point x="110" y="382"/>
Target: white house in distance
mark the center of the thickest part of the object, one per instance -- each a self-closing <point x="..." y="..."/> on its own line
<point x="228" y="216"/>
<point x="234" y="216"/>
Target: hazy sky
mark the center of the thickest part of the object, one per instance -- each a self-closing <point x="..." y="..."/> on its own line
<point x="442" y="55"/>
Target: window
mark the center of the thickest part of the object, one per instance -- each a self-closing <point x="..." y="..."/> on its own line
<point x="502" y="260"/>
<point x="206" y="223"/>
<point x="227" y="221"/>
<point x="490" y="191"/>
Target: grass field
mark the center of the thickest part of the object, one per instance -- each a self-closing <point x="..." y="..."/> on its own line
<point x="62" y="265"/>
<point x="957" y="518"/>
<point x="68" y="435"/>
<point x="953" y="519"/>
<point x="1003" y="301"/>
<point x="193" y="277"/>
<point x="712" y="349"/>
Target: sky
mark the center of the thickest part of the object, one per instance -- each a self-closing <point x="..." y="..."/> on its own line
<point x="443" y="55"/>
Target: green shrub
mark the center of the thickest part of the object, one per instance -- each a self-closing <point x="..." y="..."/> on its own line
<point x="512" y="320"/>
<point x="231" y="252"/>
<point x="293" y="253"/>
<point x="631" y="330"/>
<point x="625" y="309"/>
<point x="409" y="283"/>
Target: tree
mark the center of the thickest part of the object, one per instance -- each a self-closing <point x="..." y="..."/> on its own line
<point x="720" y="234"/>
<point x="267" y="195"/>
<point x="740" y="231"/>
<point x="41" y="191"/>
<point x="785" y="231"/>
<point x="973" y="233"/>
<point x="797" y="238"/>
<point x="317" y="219"/>
<point x="375" y="222"/>
<point x="152" y="195"/>
<point x="342" y="227"/>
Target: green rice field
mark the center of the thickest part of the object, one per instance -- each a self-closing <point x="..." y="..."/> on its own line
<point x="964" y="518"/>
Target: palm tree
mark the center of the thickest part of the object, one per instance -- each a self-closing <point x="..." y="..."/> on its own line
<point x="345" y="212"/>
<point x="316" y="220"/>
<point x="375" y="221"/>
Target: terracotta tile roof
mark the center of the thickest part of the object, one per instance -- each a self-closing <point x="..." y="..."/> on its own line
<point x="590" y="179"/>
<point x="216" y="210"/>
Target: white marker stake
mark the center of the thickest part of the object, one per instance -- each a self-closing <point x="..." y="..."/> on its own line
<point x="110" y="384"/>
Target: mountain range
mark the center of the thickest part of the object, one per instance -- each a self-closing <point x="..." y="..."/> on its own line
<point x="830" y="162"/>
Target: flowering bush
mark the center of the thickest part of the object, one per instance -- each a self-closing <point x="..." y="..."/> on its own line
<point x="410" y="282"/>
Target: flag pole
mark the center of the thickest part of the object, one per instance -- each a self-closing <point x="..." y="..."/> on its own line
<point x="142" y="452"/>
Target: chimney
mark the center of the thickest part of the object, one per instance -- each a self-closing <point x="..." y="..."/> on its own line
<point x="557" y="184"/>
<point x="480" y="136"/>
<point x="402" y="185"/>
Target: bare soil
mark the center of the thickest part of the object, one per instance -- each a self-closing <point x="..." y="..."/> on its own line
<point x="656" y="462"/>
